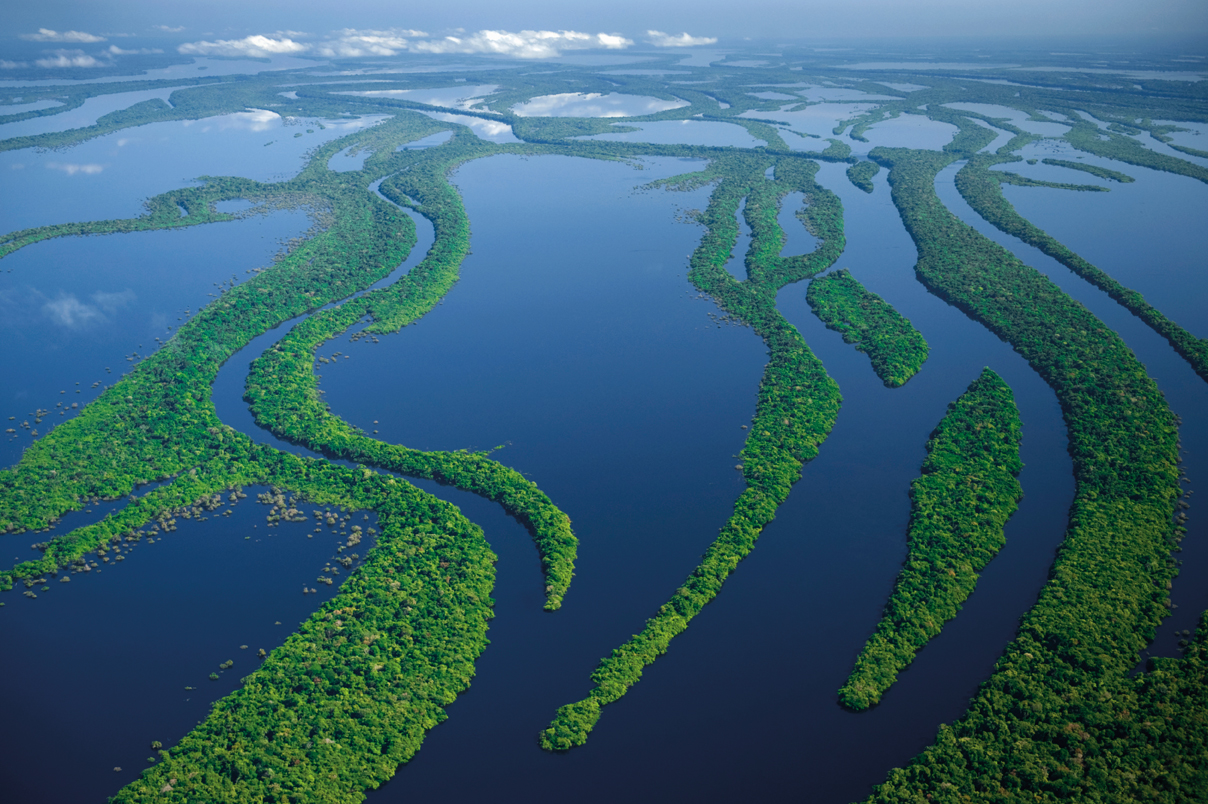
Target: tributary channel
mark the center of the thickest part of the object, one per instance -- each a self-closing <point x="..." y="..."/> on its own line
<point x="575" y="341"/>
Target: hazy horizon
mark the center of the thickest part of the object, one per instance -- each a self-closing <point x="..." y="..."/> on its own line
<point x="619" y="25"/>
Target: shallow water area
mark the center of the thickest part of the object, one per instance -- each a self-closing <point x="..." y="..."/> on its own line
<point x="907" y="66"/>
<point x="577" y="104"/>
<point x="906" y="131"/>
<point x="21" y="108"/>
<point x="199" y="67"/>
<point x="1152" y="143"/>
<point x="686" y="132"/>
<point x="74" y="307"/>
<point x="1001" y="138"/>
<point x="797" y="239"/>
<point x="1196" y="135"/>
<point x="702" y="58"/>
<point x="489" y="130"/>
<point x="1147" y="235"/>
<point x="1185" y="392"/>
<point x="108" y="177"/>
<point x="83" y="115"/>
<point x="462" y="96"/>
<point x="814" y="94"/>
<point x="1161" y="75"/>
<point x="120" y="656"/>
<point x="820" y="119"/>
<point x="1016" y="117"/>
<point x="821" y="573"/>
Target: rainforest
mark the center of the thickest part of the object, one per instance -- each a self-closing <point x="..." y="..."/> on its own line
<point x="767" y="423"/>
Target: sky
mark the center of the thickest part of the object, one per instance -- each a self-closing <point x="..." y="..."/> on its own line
<point x="616" y="24"/>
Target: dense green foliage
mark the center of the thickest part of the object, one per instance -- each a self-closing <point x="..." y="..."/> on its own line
<point x="158" y="421"/>
<point x="979" y="186"/>
<point x="285" y="398"/>
<point x="1094" y="170"/>
<point x="348" y="697"/>
<point x="1107" y="589"/>
<point x="1060" y="718"/>
<point x="1086" y="136"/>
<point x="958" y="509"/>
<point x="896" y="348"/>
<point x="861" y="174"/>
<point x="1006" y="177"/>
<point x="797" y="406"/>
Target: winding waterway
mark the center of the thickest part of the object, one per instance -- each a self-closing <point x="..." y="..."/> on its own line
<point x="1186" y="393"/>
<point x="574" y="341"/>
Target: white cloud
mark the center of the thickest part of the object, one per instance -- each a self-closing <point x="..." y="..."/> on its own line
<point x="112" y="302"/>
<point x="47" y="35"/>
<point x="169" y="28"/>
<point x="492" y="130"/>
<point x="68" y="311"/>
<point x="575" y="104"/>
<point x="256" y="47"/>
<point x="660" y="39"/>
<point x="5" y="64"/>
<point x="72" y="168"/>
<point x="71" y="58"/>
<point x="117" y="51"/>
<point x="252" y="120"/>
<point x="524" y="45"/>
<point x="351" y="43"/>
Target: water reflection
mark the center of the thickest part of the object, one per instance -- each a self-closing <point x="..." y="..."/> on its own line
<point x="19" y="108"/>
<point x="204" y="66"/>
<point x="926" y="65"/>
<point x="685" y="132"/>
<point x="107" y="177"/>
<point x="593" y="104"/>
<point x="82" y="116"/>
<point x="797" y="239"/>
<point x="459" y="97"/>
<point x="907" y="131"/>
<point x="831" y="93"/>
<point x="1148" y="235"/>
<point x="490" y="130"/>
<point x="1015" y="116"/>
<point x="819" y="119"/>
<point x="77" y="313"/>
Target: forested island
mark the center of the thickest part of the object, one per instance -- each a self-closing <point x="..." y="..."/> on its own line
<point x="350" y="696"/>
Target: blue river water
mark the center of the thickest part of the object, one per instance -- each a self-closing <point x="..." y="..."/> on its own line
<point x="574" y="341"/>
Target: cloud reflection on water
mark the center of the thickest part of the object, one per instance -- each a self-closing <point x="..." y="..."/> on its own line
<point x="578" y="104"/>
<point x="66" y="309"/>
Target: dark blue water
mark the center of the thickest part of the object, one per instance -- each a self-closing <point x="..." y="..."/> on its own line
<point x="791" y="619"/>
<point x="1148" y="235"/>
<point x="736" y="265"/>
<point x="1185" y="392"/>
<point x="86" y="114"/>
<point x="228" y="388"/>
<point x="797" y="239"/>
<point x="72" y="310"/>
<point x="100" y="667"/>
<point x="575" y="340"/>
<point x="110" y="176"/>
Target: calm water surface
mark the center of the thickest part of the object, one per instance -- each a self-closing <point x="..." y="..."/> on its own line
<point x="70" y="308"/>
<point x="107" y="660"/>
<point x="690" y="132"/>
<point x="575" y="341"/>
<point x="1185" y="392"/>
<point x="110" y="176"/>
